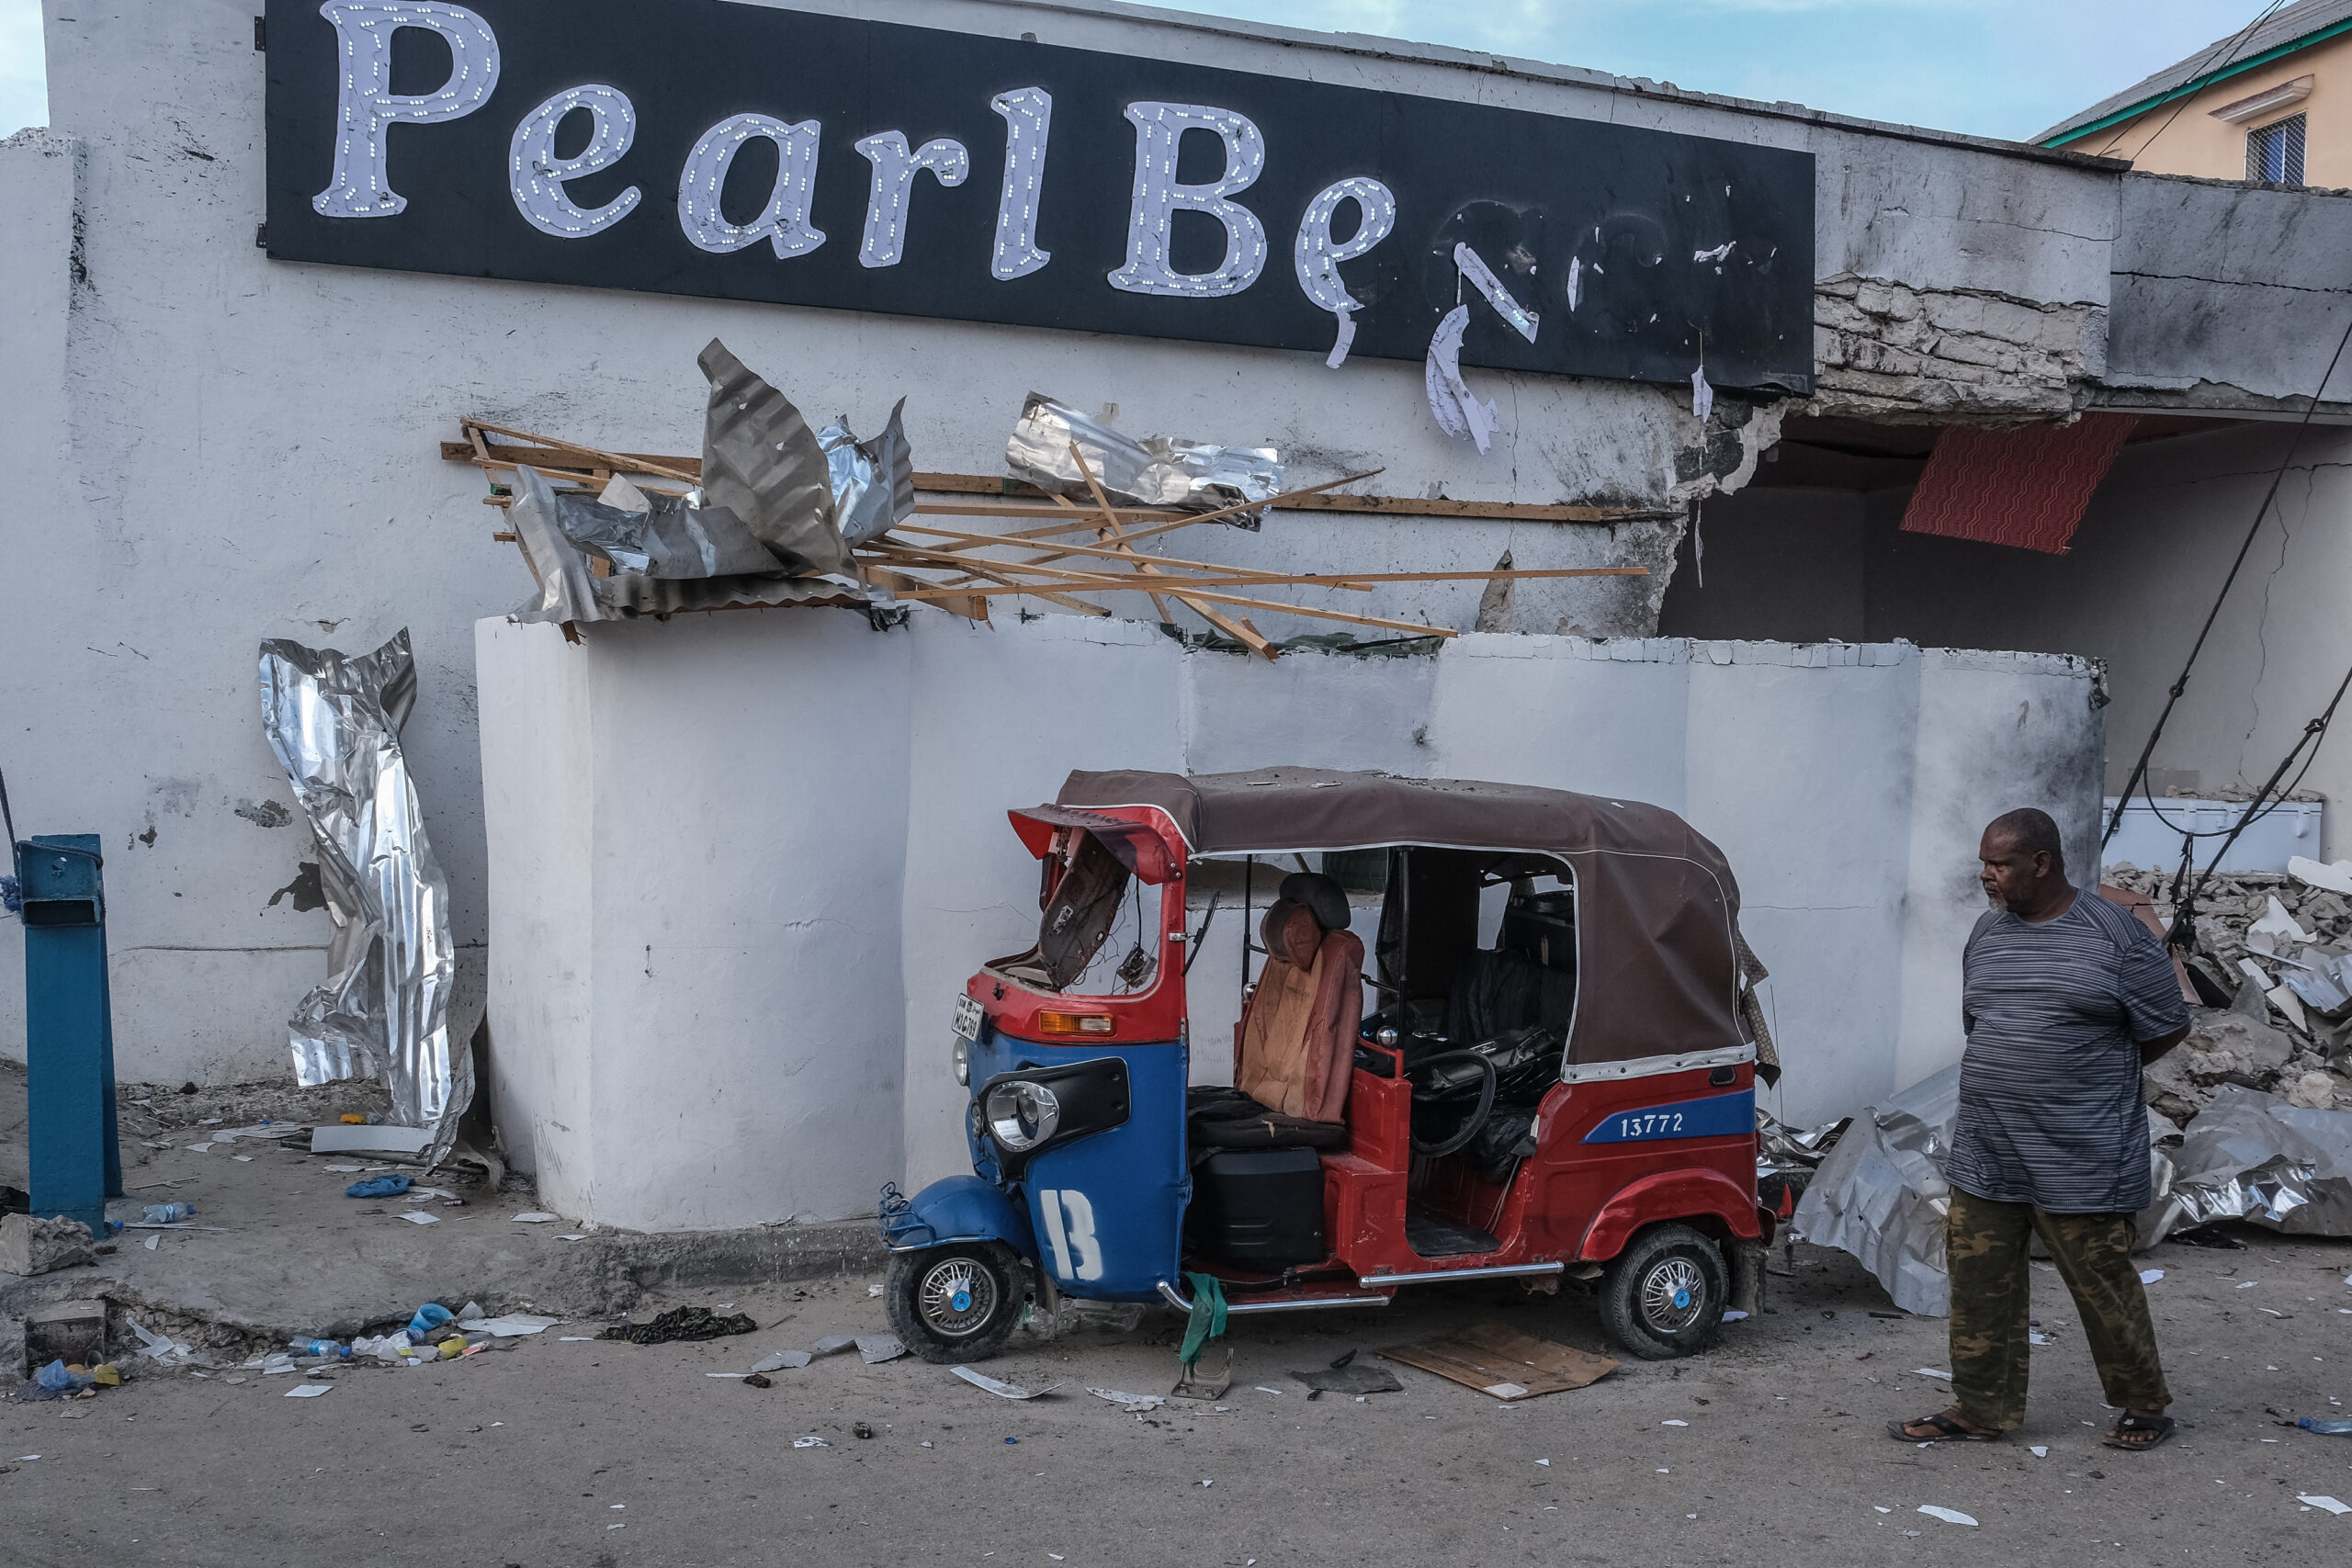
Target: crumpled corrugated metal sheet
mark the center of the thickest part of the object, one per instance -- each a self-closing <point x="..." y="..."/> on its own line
<point x="335" y="723"/>
<point x="1154" y="471"/>
<point x="1881" y="1194"/>
<point x="2253" y="1156"/>
<point x="765" y="526"/>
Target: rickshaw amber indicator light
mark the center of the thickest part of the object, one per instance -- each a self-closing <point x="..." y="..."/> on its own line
<point x="1076" y="1023"/>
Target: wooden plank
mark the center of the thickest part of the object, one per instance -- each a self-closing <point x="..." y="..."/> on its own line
<point x="1501" y="510"/>
<point x="598" y="458"/>
<point x="1177" y="584"/>
<point x="1318" y="498"/>
<point x="971" y="609"/>
<point x="1062" y="550"/>
<point x="1114" y="585"/>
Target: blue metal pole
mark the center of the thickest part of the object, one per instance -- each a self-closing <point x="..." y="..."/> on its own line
<point x="69" y="1032"/>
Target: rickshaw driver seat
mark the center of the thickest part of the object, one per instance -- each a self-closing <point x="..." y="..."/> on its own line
<point x="1294" y="1048"/>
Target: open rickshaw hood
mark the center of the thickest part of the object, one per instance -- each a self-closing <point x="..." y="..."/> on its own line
<point x="1657" y="908"/>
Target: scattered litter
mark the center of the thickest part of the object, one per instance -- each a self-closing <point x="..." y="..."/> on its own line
<point x="810" y="1442"/>
<point x="1261" y="1388"/>
<point x="2039" y="1452"/>
<point x="167" y="1213"/>
<point x="2150" y="1276"/>
<point x="782" y="1360"/>
<point x="1503" y="1362"/>
<point x="513" y="1325"/>
<point x="1131" y="1403"/>
<point x="875" y="1348"/>
<point x="862" y="1431"/>
<point x="242" y="1159"/>
<point x="1883" y="1510"/>
<point x="153" y="1241"/>
<point x="833" y="1344"/>
<point x="727" y="1375"/>
<point x="1545" y="1462"/>
<point x="754" y="1379"/>
<point x="2326" y="1428"/>
<point x="2248" y="1284"/>
<point x="2311" y="1500"/>
<point x="351" y="1169"/>
<point x="2035" y="1336"/>
<point x="415" y="1218"/>
<point x="681" y="1322"/>
<point x="1344" y="1376"/>
<point x="1948" y="1515"/>
<point x="1734" y="1316"/>
<point x="874" y="1291"/>
<point x="575" y="1338"/>
<point x="2272" y="1311"/>
<point x="310" y="1390"/>
<point x="1002" y="1390"/>
<point x="1930" y="1372"/>
<point x="535" y="1219"/>
<point x="575" y="1237"/>
<point x="379" y="1187"/>
<point x="1674" y="1422"/>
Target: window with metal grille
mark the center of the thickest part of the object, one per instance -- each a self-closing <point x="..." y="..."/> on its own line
<point x="2275" y="153"/>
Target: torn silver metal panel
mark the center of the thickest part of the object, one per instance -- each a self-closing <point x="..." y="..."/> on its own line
<point x="335" y="723"/>
<point x="567" y="589"/>
<point x="2253" y="1156"/>
<point x="761" y="462"/>
<point x="1782" y="1150"/>
<point x="873" y="482"/>
<point x="1881" y="1194"/>
<point x="1154" y="471"/>
<point x="682" y="544"/>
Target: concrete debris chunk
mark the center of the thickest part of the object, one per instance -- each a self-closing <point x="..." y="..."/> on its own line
<point x="29" y="1246"/>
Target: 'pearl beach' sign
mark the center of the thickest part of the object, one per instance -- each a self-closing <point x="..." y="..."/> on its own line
<point x="744" y="152"/>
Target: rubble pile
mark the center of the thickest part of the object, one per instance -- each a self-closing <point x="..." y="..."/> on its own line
<point x="2275" y="952"/>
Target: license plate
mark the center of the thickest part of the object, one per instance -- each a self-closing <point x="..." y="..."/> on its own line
<point x="968" y="1018"/>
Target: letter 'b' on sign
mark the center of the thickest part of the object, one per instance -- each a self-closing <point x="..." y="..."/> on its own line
<point x="368" y="108"/>
<point x="1159" y="196"/>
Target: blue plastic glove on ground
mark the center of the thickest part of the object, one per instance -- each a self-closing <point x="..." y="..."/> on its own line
<point x="383" y="1187"/>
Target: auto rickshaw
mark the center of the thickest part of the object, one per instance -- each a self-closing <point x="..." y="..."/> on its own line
<point x="1572" y="1096"/>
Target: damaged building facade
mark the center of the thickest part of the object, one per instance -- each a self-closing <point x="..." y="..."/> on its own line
<point x="717" y="877"/>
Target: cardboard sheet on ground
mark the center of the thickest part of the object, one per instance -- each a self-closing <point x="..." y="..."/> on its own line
<point x="1504" y="1362"/>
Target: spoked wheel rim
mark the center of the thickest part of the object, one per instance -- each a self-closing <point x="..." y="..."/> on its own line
<point x="1673" y="1295"/>
<point x="956" y="1298"/>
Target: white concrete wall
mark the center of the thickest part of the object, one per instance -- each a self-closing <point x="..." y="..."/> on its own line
<point x="205" y="448"/>
<point x="744" y="862"/>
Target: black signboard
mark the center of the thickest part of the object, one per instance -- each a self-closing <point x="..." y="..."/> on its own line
<point x="775" y="155"/>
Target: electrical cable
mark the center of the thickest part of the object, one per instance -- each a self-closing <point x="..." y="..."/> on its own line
<point x="2235" y="42"/>
<point x="2261" y="513"/>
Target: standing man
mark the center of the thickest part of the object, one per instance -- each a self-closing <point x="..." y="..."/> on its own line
<point x="2065" y="996"/>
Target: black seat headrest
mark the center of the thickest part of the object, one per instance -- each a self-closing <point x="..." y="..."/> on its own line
<point x="1323" y="897"/>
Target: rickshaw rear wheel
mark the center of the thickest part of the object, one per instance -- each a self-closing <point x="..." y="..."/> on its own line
<point x="957" y="1302"/>
<point x="1664" y="1296"/>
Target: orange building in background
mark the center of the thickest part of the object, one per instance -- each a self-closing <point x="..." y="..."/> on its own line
<point x="2272" y="103"/>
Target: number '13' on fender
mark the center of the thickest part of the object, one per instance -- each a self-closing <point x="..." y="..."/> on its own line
<point x="1069" y="1232"/>
<point x="1716" y="1116"/>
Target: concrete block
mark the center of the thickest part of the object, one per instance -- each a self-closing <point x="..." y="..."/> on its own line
<point x="29" y="1246"/>
<point x="1881" y="299"/>
<point x="71" y="1332"/>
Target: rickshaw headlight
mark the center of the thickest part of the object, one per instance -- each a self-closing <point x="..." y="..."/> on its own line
<point x="962" y="1063"/>
<point x="1022" y="1114"/>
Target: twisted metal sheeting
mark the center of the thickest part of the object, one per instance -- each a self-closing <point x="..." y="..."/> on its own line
<point x="335" y="723"/>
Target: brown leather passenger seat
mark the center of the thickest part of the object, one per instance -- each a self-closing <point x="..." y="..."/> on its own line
<point x="1294" y="1048"/>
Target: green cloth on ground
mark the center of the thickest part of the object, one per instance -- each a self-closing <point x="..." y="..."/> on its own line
<point x="1207" y="1319"/>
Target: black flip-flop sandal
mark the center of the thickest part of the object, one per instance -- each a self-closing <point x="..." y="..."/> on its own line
<point x="2163" y="1427"/>
<point x="1947" y="1431"/>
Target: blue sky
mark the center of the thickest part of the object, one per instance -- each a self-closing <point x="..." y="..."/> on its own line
<point x="1994" y="67"/>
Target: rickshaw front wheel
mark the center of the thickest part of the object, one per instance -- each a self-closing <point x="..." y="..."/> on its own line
<point x="957" y="1302"/>
<point x="1664" y="1296"/>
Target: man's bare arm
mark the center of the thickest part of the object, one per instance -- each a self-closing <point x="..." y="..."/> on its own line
<point x="2152" y="1049"/>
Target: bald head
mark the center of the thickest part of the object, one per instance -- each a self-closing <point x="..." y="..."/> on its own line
<point x="2022" y="864"/>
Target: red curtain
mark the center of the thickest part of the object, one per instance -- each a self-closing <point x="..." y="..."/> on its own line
<point x="2026" y="487"/>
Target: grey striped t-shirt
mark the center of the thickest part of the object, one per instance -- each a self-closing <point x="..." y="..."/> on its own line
<point x="2050" y="1100"/>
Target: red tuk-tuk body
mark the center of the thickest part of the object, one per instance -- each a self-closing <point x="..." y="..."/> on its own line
<point x="1629" y="1159"/>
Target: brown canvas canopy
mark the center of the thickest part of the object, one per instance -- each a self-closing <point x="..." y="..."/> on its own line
<point x="1657" y="912"/>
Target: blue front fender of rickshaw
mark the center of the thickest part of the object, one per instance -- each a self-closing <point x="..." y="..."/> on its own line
<point x="960" y="1208"/>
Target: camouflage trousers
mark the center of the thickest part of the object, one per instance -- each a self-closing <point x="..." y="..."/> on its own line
<point x="1992" y="1305"/>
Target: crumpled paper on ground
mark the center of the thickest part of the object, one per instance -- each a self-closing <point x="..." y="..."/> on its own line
<point x="335" y="722"/>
